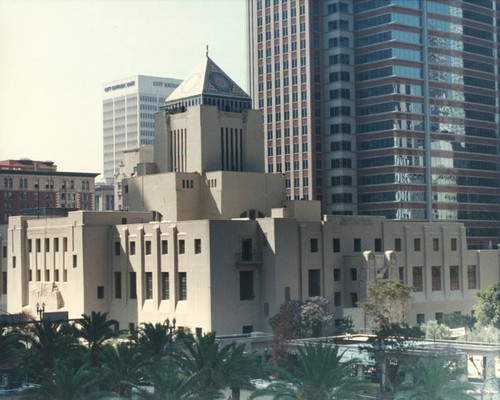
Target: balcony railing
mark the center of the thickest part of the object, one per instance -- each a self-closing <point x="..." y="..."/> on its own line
<point x="249" y="258"/>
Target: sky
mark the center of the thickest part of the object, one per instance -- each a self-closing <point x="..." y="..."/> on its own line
<point x="55" y="56"/>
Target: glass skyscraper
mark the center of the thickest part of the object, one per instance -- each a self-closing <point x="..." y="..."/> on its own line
<point x="383" y="107"/>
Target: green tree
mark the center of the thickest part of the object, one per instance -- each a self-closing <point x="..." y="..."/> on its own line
<point x="434" y="330"/>
<point x="487" y="310"/>
<point x="387" y="302"/>
<point x="434" y="378"/>
<point x="122" y="367"/>
<point x="390" y="349"/>
<point x="218" y="366"/>
<point x="9" y="345"/>
<point x="95" y="329"/>
<point x="170" y="383"/>
<point x="156" y="341"/>
<point x="458" y="320"/>
<point x="49" y="340"/>
<point x="318" y="374"/>
<point x="63" y="384"/>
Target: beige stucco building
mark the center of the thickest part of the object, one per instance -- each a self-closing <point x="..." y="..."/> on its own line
<point x="209" y="238"/>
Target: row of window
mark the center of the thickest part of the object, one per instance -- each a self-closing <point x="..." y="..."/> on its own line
<point x="164" y="247"/>
<point x="295" y="131"/>
<point x="419" y="179"/>
<point x="417" y="244"/>
<point x="49" y="184"/>
<point x="436" y="278"/>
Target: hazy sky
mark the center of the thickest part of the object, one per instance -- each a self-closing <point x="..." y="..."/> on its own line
<point x="55" y="55"/>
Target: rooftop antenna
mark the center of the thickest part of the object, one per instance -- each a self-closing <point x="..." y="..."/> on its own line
<point x="207" y="51"/>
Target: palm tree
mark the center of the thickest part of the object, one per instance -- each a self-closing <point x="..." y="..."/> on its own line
<point x="9" y="344"/>
<point x="49" y="340"/>
<point x="317" y="375"/>
<point x="171" y="384"/>
<point x="64" y="384"/>
<point x="122" y="367"/>
<point x="156" y="341"/>
<point x="95" y="330"/>
<point x="434" y="378"/>
<point x="219" y="366"/>
<point x="239" y="369"/>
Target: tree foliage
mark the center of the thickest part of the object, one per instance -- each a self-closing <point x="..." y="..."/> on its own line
<point x="487" y="310"/>
<point x="387" y="302"/>
<point x="297" y="318"/>
<point x="434" y="330"/>
<point x="318" y="374"/>
<point x="434" y="378"/>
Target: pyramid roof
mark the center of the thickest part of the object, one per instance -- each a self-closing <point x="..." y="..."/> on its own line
<point x="207" y="79"/>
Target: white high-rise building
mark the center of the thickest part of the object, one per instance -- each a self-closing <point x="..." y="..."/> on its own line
<point x="129" y="106"/>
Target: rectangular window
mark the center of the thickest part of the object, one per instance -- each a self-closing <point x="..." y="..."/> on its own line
<point x="75" y="259"/>
<point x="38" y="245"/>
<point x="65" y="244"/>
<point x="13" y="261"/>
<point x="164" y="247"/>
<point x="416" y="244"/>
<point x="337" y="299"/>
<point x="29" y="248"/>
<point x="165" y="289"/>
<point x="38" y="275"/>
<point x="354" y="299"/>
<point x="454" y="278"/>
<point x="149" y="285"/>
<point x="471" y="277"/>
<point x="182" y="286"/>
<point x="397" y="244"/>
<point x="246" y="329"/>
<point x="357" y="245"/>
<point x="246" y="285"/>
<point x="118" y="285"/>
<point x="453" y="244"/>
<point x="47" y="245"/>
<point x="100" y="292"/>
<point x="439" y="317"/>
<point x="336" y="245"/>
<point x="378" y="245"/>
<point x="417" y="279"/>
<point x="117" y="248"/>
<point x="287" y="293"/>
<point x="56" y="244"/>
<point x="182" y="246"/>
<point x="197" y="246"/>
<point x="47" y="275"/>
<point x="56" y="275"/>
<point x="133" y="285"/>
<point x="314" y="282"/>
<point x="354" y="274"/>
<point x="4" y="282"/>
<point x="336" y="274"/>
<point x="132" y="248"/>
<point x="401" y="271"/>
<point x="148" y="246"/>
<point x="435" y="244"/>
<point x="314" y="245"/>
<point x="436" y="278"/>
<point x="420" y="318"/>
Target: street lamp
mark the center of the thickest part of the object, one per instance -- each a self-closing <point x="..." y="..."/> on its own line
<point x="171" y="328"/>
<point x="40" y="310"/>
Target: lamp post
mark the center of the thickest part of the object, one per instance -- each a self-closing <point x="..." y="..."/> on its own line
<point x="40" y="310"/>
<point x="171" y="328"/>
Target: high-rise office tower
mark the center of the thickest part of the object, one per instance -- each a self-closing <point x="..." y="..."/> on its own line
<point x="129" y="106"/>
<point x="383" y="107"/>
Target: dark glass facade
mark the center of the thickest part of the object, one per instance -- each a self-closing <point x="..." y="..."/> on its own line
<point x="402" y="105"/>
